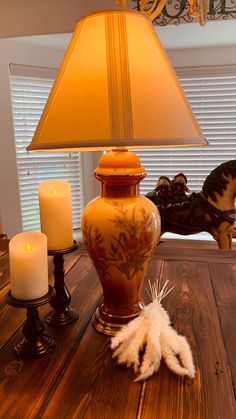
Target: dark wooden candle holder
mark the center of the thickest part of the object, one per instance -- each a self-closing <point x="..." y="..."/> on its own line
<point x="62" y="314"/>
<point x="35" y="343"/>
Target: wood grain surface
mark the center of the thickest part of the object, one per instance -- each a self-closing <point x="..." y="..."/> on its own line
<point x="80" y="379"/>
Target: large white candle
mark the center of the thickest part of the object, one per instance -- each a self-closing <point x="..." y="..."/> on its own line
<point x="56" y="213"/>
<point x="28" y="265"/>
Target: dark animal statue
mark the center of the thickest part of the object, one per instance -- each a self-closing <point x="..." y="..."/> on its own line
<point x="211" y="210"/>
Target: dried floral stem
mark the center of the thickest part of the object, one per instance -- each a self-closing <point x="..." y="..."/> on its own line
<point x="157" y="293"/>
<point x="152" y="329"/>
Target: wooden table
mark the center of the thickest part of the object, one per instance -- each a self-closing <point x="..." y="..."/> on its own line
<point x="79" y="379"/>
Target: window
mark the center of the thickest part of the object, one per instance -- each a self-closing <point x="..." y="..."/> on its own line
<point x="211" y="93"/>
<point x="30" y="87"/>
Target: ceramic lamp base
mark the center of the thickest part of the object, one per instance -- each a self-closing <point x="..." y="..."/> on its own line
<point x="121" y="230"/>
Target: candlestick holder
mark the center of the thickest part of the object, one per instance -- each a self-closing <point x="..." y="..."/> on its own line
<point x="35" y="342"/>
<point x="62" y="314"/>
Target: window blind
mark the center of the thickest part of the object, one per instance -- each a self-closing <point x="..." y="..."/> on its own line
<point x="211" y="92"/>
<point x="29" y="95"/>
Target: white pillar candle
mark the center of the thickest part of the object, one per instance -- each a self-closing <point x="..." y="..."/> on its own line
<point x="56" y="213"/>
<point x="28" y="265"/>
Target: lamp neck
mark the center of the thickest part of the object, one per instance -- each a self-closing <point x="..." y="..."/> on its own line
<point x="120" y="172"/>
<point x="119" y="191"/>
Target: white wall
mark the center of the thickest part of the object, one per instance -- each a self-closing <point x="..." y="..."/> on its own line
<point x="211" y="56"/>
<point x="15" y="52"/>
<point x="34" y="17"/>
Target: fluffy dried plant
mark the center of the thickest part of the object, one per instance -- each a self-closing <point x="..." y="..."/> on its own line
<point x="152" y="331"/>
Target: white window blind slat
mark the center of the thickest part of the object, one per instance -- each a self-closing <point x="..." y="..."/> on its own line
<point x="29" y="95"/>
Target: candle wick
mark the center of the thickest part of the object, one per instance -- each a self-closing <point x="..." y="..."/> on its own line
<point x="54" y="191"/>
<point x="28" y="247"/>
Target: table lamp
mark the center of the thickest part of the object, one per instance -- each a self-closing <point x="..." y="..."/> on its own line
<point x="116" y="90"/>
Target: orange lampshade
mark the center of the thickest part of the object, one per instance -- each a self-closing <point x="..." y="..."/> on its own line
<point x="116" y="87"/>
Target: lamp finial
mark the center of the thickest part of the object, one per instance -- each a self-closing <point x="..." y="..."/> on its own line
<point x="122" y="3"/>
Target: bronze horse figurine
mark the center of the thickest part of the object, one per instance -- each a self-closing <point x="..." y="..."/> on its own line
<point x="211" y="210"/>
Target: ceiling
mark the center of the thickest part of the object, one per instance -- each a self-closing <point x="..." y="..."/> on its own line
<point x="189" y="35"/>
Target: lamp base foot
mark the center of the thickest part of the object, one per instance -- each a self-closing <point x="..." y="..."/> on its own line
<point x="108" y="327"/>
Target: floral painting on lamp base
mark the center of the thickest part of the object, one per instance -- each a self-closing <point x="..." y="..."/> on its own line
<point x="121" y="236"/>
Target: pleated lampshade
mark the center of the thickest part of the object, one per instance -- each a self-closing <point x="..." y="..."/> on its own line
<point x="115" y="88"/>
